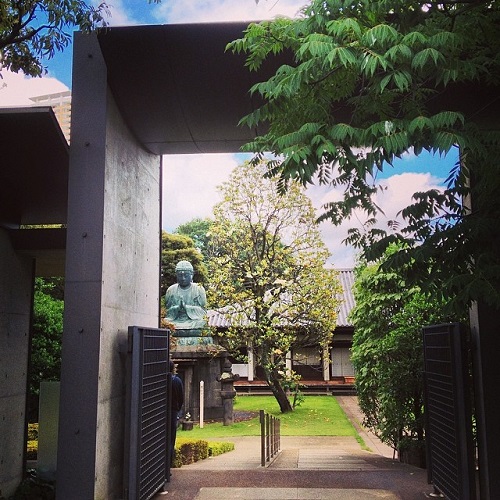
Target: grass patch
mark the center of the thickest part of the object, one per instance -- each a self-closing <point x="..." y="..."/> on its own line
<point x="316" y="416"/>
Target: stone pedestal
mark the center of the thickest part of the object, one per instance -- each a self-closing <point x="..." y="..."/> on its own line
<point x="187" y="426"/>
<point x="196" y="363"/>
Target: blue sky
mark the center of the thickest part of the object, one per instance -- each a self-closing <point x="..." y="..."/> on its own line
<point x="206" y="172"/>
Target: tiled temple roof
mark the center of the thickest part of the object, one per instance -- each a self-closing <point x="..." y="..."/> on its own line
<point x="346" y="276"/>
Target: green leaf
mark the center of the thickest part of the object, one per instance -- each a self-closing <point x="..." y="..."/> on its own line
<point x="316" y="45"/>
<point x="345" y="56"/>
<point x="414" y="38"/>
<point x="420" y="123"/>
<point x="342" y="132"/>
<point x="344" y="29"/>
<point x="371" y="62"/>
<point x="399" y="52"/>
<point x="426" y="57"/>
<point x="444" y="141"/>
<point x="380" y="35"/>
<point x="448" y="119"/>
<point x="402" y="80"/>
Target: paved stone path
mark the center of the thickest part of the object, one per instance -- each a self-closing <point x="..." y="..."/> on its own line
<point x="307" y="468"/>
<point x="292" y="494"/>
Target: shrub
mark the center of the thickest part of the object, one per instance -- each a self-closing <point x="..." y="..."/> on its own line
<point x="32" y="446"/>
<point x="191" y="451"/>
<point x="33" y="431"/>
<point x="188" y="451"/>
<point x="32" y="449"/>
<point x="219" y="447"/>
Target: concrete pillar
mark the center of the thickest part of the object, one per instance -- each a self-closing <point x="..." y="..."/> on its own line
<point x="16" y="283"/>
<point x="112" y="278"/>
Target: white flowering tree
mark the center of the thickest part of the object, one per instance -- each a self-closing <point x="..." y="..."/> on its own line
<point x="268" y="273"/>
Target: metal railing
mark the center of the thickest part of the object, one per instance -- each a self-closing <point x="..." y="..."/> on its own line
<point x="269" y="437"/>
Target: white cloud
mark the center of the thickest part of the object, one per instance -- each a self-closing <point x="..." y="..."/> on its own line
<point x="120" y="14"/>
<point x="197" y="11"/>
<point x="399" y="190"/>
<point x="16" y="88"/>
<point x="396" y="195"/>
<point x="190" y="185"/>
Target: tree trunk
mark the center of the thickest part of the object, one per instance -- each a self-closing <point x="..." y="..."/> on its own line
<point x="278" y="392"/>
<point x="273" y="379"/>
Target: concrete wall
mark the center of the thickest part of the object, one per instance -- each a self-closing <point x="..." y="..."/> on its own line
<point x="15" y="309"/>
<point x="112" y="279"/>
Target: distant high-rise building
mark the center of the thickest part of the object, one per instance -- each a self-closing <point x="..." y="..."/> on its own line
<point x="60" y="102"/>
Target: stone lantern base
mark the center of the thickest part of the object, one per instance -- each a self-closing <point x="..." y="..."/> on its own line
<point x="198" y="363"/>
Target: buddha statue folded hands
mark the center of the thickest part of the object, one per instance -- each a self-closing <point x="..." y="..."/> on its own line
<point x="185" y="302"/>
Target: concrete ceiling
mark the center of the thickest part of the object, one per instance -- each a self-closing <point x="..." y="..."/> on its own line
<point x="178" y="88"/>
<point x="34" y="184"/>
<point x="34" y="172"/>
<point x="180" y="91"/>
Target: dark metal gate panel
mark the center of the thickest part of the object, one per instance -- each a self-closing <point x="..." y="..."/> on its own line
<point x="147" y="413"/>
<point x="450" y="455"/>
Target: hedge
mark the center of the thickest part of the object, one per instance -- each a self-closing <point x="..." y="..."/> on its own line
<point x="188" y="451"/>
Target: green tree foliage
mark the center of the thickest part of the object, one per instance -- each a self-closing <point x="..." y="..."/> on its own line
<point x="176" y="247"/>
<point x="268" y="277"/>
<point x="366" y="82"/>
<point x="34" y="30"/>
<point x="387" y="352"/>
<point x="198" y="230"/>
<point x="47" y="335"/>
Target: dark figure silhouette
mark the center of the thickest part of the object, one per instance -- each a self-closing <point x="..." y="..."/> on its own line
<point x="177" y="403"/>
